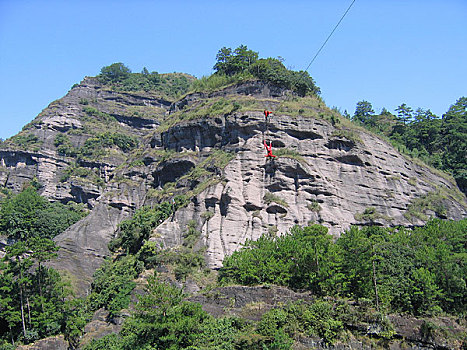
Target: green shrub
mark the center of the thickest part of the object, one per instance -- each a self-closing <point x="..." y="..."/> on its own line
<point x="64" y="146"/>
<point x="94" y="145"/>
<point x="27" y="141"/>
<point x="272" y="198"/>
<point x="431" y="201"/>
<point x="314" y="206"/>
<point x="272" y="70"/>
<point x="216" y="81"/>
<point x="113" y="284"/>
<point x="120" y="78"/>
<point x="27" y="214"/>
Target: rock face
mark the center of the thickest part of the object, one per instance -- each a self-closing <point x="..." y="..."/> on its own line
<point x="321" y="177"/>
<point x="51" y="343"/>
<point x="209" y="146"/>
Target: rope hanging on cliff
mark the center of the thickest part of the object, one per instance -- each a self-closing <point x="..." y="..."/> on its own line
<point x="269" y="154"/>
<point x="266" y="116"/>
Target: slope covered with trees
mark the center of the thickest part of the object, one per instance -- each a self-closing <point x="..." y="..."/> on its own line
<point x="440" y="142"/>
<point x="32" y="295"/>
<point x="419" y="272"/>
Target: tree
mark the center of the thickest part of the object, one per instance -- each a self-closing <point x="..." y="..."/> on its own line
<point x="27" y="214"/>
<point x="232" y="62"/>
<point x="18" y="214"/>
<point x="404" y="113"/>
<point x="163" y="320"/>
<point x="363" y="112"/>
<point x="43" y="249"/>
<point x="453" y="140"/>
<point x="19" y="264"/>
<point x="115" y="72"/>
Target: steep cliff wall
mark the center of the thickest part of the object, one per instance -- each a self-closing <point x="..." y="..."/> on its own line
<point x="209" y="146"/>
<point x="321" y="176"/>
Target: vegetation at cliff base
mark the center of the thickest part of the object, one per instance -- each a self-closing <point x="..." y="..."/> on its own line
<point x="32" y="295"/>
<point x="420" y="271"/>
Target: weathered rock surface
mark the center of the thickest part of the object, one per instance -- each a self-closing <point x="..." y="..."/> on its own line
<point x="325" y="173"/>
<point x="344" y="177"/>
<point x="51" y="343"/>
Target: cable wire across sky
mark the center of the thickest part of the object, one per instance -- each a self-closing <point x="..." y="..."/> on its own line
<point x="329" y="36"/>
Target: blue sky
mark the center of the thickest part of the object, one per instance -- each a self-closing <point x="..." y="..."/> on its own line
<point x="387" y="52"/>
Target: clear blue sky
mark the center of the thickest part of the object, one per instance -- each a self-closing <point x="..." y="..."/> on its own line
<point x="387" y="52"/>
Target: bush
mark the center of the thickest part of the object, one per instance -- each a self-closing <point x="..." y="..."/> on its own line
<point x="94" y="145"/>
<point x="133" y="233"/>
<point x="27" y="214"/>
<point x="120" y="78"/>
<point x="271" y="70"/>
<point x="27" y="141"/>
<point x="241" y="64"/>
<point x="64" y="146"/>
<point x="113" y="284"/>
<point x="420" y="271"/>
<point x="114" y="73"/>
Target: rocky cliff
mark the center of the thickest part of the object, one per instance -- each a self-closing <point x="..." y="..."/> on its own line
<point x="117" y="151"/>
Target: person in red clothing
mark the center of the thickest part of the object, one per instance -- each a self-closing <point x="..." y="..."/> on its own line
<point x="267" y="113"/>
<point x="269" y="150"/>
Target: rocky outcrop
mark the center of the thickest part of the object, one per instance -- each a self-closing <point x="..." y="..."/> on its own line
<point x="51" y="343"/>
<point x="325" y="172"/>
<point x="321" y="176"/>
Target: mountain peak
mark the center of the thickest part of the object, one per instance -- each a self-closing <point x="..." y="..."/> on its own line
<point x="117" y="147"/>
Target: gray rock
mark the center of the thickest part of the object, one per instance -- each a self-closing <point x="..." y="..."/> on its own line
<point x="324" y="174"/>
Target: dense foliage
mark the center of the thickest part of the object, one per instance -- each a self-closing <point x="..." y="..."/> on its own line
<point x="164" y="320"/>
<point x="27" y="215"/>
<point x="32" y="295"/>
<point x="96" y="145"/>
<point x="273" y="71"/>
<point x="440" y="142"/>
<point x="419" y="271"/>
<point x="244" y="63"/>
<point x="113" y="283"/>
<point x="120" y="77"/>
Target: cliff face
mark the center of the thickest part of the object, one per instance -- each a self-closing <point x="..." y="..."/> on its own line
<point x="209" y="146"/>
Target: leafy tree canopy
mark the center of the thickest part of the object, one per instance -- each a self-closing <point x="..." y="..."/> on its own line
<point x="243" y="61"/>
<point x="440" y="142"/>
<point x="420" y="271"/>
<point x="27" y="214"/>
<point x="115" y="72"/>
<point x="231" y="62"/>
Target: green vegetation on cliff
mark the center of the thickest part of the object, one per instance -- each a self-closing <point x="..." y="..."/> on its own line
<point x="119" y="77"/>
<point x="440" y="142"/>
<point x="241" y="64"/>
<point x="419" y="272"/>
<point x="27" y="215"/>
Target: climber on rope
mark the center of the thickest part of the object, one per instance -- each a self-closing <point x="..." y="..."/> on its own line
<point x="266" y="114"/>
<point x="269" y="150"/>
